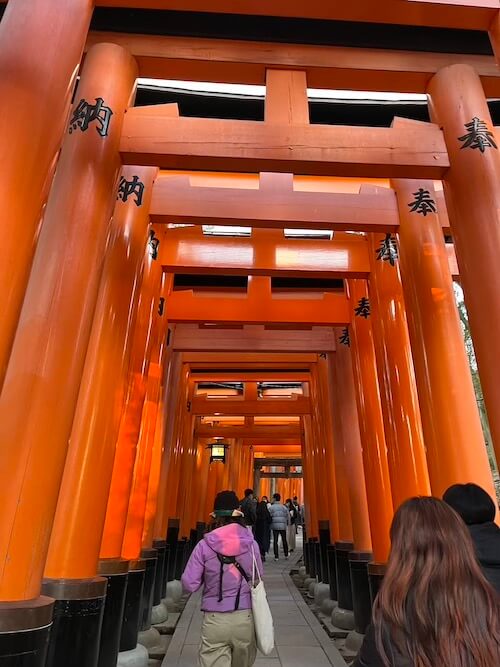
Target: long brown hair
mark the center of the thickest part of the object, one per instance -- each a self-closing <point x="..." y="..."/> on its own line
<point x="435" y="606"/>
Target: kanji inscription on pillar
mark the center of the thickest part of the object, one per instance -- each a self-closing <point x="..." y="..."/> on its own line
<point x="153" y="244"/>
<point x="478" y="136"/>
<point x="161" y="306"/>
<point x="86" y="114"/>
<point x="344" y="338"/>
<point x="133" y="188"/>
<point x="423" y="203"/>
<point x="388" y="250"/>
<point x="363" y="308"/>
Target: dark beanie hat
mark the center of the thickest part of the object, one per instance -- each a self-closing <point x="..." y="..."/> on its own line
<point x="473" y="503"/>
<point x="225" y="503"/>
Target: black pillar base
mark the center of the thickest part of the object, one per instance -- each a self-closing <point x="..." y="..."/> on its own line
<point x="312" y="556"/>
<point x="376" y="574"/>
<point x="332" y="571"/>
<point x="132" y="612"/>
<point x="342" y="550"/>
<point x="305" y="554"/>
<point x="361" y="601"/>
<point x="324" y="541"/>
<point x="116" y="572"/>
<point x="24" y="632"/>
<point x="151" y="559"/>
<point x="180" y="557"/>
<point x="172" y="539"/>
<point x="78" y="614"/>
<point x="317" y="559"/>
<point x="160" y="579"/>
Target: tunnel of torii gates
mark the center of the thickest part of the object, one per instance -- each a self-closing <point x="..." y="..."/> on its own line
<point x="337" y="360"/>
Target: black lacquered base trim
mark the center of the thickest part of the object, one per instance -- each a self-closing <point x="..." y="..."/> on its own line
<point x="332" y="571"/>
<point x="132" y="611"/>
<point x="114" y="608"/>
<point x="376" y="574"/>
<point x="76" y="632"/>
<point x="361" y="600"/>
<point x="25" y="648"/>
<point x="160" y="580"/>
<point x="151" y="559"/>
<point x="342" y="551"/>
<point x="324" y="541"/>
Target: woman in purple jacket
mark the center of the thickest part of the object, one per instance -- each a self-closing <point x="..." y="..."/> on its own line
<point x="222" y="563"/>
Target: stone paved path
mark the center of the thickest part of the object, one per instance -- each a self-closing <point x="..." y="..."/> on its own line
<point x="300" y="639"/>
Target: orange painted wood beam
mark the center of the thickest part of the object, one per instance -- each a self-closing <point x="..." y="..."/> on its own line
<point x="157" y="139"/>
<point x="270" y="432"/>
<point x="280" y="200"/>
<point x="274" y="205"/>
<point x="472" y="14"/>
<point x="259" y="375"/>
<point x="254" y="339"/>
<point x="331" y="309"/>
<point x="298" y="405"/>
<point x="331" y="67"/>
<point x="228" y="359"/>
<point x="269" y="253"/>
<point x="266" y="253"/>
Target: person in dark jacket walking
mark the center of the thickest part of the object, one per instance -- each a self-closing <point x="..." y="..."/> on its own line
<point x="280" y="520"/>
<point x="249" y="509"/>
<point x="478" y="510"/>
<point x="263" y="528"/>
<point x="435" y="608"/>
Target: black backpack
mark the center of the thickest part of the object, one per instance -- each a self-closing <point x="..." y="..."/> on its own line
<point x="231" y="560"/>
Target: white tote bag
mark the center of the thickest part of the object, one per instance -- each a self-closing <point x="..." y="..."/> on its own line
<point x="262" y="617"/>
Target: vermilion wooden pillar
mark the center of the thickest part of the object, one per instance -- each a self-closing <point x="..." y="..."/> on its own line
<point x="472" y="192"/>
<point x="41" y="44"/>
<point x="41" y="387"/>
<point x="345" y="393"/>
<point x="310" y="481"/>
<point x="332" y="466"/>
<point x="378" y="486"/>
<point x="72" y="560"/>
<point x="132" y="540"/>
<point x="400" y="408"/>
<point x="129" y="431"/>
<point x="170" y="459"/>
<point x="454" y="440"/>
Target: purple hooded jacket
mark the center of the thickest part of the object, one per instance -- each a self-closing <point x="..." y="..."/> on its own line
<point x="203" y="568"/>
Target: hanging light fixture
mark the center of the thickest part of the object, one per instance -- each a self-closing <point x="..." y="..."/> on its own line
<point x="218" y="450"/>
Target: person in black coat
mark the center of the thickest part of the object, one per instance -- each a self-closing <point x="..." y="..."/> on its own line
<point x="435" y="607"/>
<point x="478" y="510"/>
<point x="262" y="528"/>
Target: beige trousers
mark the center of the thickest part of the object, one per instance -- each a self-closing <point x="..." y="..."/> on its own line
<point x="292" y="534"/>
<point x="228" y="640"/>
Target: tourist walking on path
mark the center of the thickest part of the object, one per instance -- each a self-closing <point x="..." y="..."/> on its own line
<point x="435" y="608"/>
<point x="263" y="528"/>
<point x="280" y="520"/>
<point x="222" y="563"/>
<point x="249" y="509"/>
<point x="292" y="528"/>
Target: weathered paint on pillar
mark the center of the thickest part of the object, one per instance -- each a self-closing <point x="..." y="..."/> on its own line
<point x="40" y="391"/>
<point x="472" y="192"/>
<point x="400" y="408"/>
<point x="81" y="507"/>
<point x="378" y="486"/>
<point x="454" y="440"/>
<point x="41" y="45"/>
<point x="343" y="380"/>
<point x="130" y="425"/>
